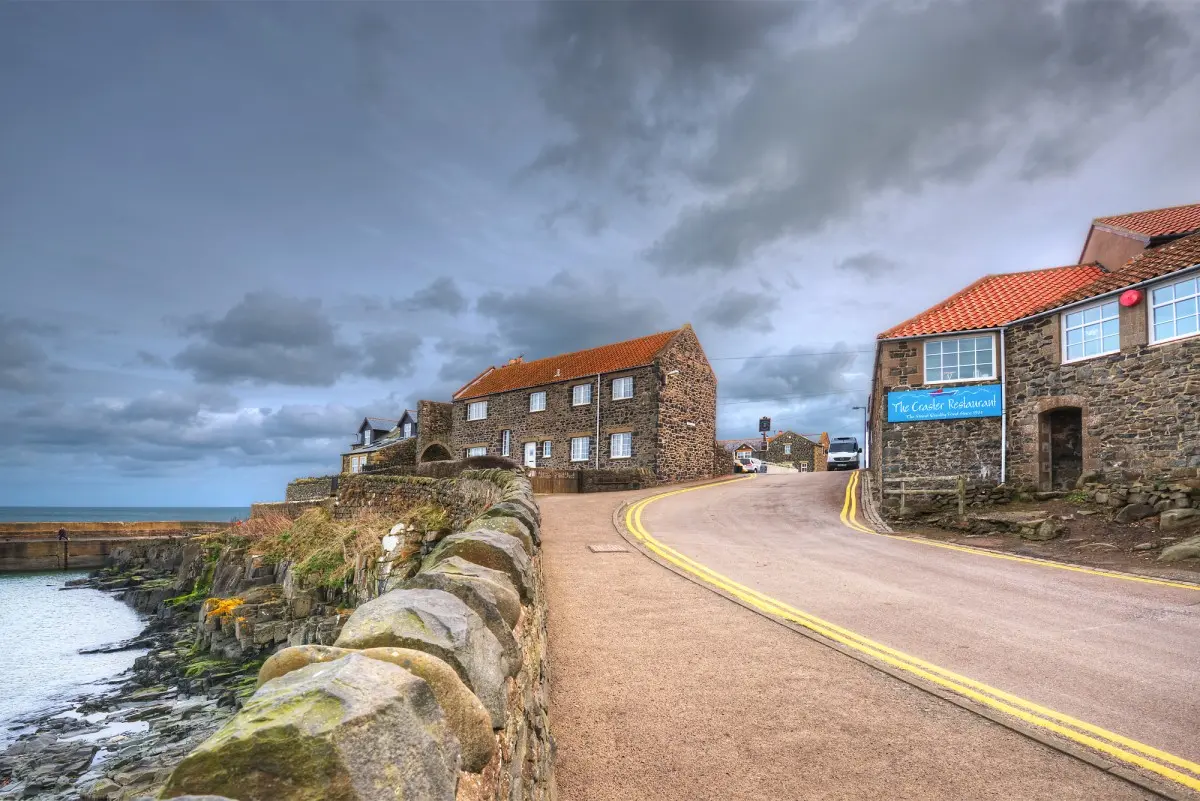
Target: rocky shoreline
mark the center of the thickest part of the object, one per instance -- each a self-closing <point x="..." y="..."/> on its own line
<point x="121" y="742"/>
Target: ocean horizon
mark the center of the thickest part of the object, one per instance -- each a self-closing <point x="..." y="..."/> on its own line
<point x="124" y="514"/>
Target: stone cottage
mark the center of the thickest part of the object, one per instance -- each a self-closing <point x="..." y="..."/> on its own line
<point x="1044" y="378"/>
<point x="788" y="447"/>
<point x="382" y="442"/>
<point x="646" y="403"/>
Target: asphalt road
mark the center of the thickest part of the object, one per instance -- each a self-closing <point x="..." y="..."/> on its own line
<point x="1118" y="654"/>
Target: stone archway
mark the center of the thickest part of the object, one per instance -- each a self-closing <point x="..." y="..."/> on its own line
<point x="435" y="452"/>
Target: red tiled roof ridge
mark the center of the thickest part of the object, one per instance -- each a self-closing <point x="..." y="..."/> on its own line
<point x="1135" y="222"/>
<point x="938" y="319"/>
<point x="611" y="357"/>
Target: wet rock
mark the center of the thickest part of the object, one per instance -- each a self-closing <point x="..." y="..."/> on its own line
<point x="464" y="712"/>
<point x="356" y="729"/>
<point x="437" y="623"/>
<point x="490" y="549"/>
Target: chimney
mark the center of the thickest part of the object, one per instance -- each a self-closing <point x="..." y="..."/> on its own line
<point x="518" y="360"/>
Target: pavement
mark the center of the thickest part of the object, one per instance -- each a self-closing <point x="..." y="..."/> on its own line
<point x="662" y="689"/>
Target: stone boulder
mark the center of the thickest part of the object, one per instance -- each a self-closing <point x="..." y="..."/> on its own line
<point x="492" y="584"/>
<point x="355" y="729"/>
<point x="471" y="723"/>
<point x="1040" y="532"/>
<point x="1188" y="549"/>
<point x="1173" y="519"/>
<point x="1134" y="512"/>
<point x="490" y="549"/>
<point x="506" y="525"/>
<point x="436" y="623"/>
<point x="525" y="512"/>
<point x="482" y="600"/>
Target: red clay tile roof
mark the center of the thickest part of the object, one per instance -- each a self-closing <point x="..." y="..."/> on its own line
<point x="605" y="359"/>
<point x="1145" y="266"/>
<point x="1156" y="222"/>
<point x="995" y="300"/>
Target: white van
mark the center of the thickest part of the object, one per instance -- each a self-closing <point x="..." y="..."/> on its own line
<point x="843" y="454"/>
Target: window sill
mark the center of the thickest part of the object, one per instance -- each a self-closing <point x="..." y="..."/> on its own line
<point x="535" y="411"/>
<point x="619" y="458"/>
<point x="622" y="399"/>
<point x="955" y="381"/>
<point x="1179" y="338"/>
<point x="1067" y="361"/>
<point x="574" y="405"/>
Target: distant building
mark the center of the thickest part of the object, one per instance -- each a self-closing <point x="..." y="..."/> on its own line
<point x="788" y="447"/>
<point x="379" y="441"/>
<point x="648" y="403"/>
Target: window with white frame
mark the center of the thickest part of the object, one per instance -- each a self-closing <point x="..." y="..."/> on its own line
<point x="1091" y="331"/>
<point x="960" y="359"/>
<point x="506" y="443"/>
<point x="357" y="463"/>
<point x="537" y="401"/>
<point x="478" y="450"/>
<point x="787" y="449"/>
<point x="581" y="394"/>
<point x="546" y="449"/>
<point x="621" y="446"/>
<point x="804" y="467"/>
<point x="1174" y="310"/>
<point x="407" y="430"/>
<point x="477" y="410"/>
<point x="622" y="388"/>
<point x="367" y="436"/>
<point x="581" y="449"/>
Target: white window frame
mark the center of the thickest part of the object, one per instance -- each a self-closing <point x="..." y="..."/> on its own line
<point x="541" y="405"/>
<point x="506" y="442"/>
<point x="1152" y="307"/>
<point x="366" y="436"/>
<point x="583" y="454"/>
<point x="478" y="450"/>
<point x="990" y="335"/>
<point x="626" y="449"/>
<point x="477" y="410"/>
<point x="575" y="390"/>
<point x="1082" y="327"/>
<point x="407" y="430"/>
<point x="787" y="449"/>
<point x="546" y="449"/>
<point x="357" y="463"/>
<point x="623" y="381"/>
<point x="802" y="467"/>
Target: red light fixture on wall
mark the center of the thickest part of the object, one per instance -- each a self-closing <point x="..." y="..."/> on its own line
<point x="1131" y="297"/>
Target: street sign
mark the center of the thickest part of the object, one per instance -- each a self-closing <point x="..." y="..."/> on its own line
<point x="944" y="403"/>
<point x="764" y="424"/>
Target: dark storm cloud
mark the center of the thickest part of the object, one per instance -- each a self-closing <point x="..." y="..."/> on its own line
<point x="804" y="373"/>
<point x="463" y="359"/>
<point x="147" y="359"/>
<point x="870" y="264"/>
<point x="442" y="295"/>
<point x="905" y="96"/>
<point x="390" y="354"/>
<point x="22" y="357"/>
<point x="738" y="308"/>
<point x="268" y="338"/>
<point x="572" y="312"/>
<point x="591" y="217"/>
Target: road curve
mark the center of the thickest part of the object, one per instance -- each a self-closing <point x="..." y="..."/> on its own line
<point x="1118" y="654"/>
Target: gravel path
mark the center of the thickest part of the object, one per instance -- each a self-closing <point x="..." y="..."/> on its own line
<point x="664" y="690"/>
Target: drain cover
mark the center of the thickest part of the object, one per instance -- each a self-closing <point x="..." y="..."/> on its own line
<point x="604" y="547"/>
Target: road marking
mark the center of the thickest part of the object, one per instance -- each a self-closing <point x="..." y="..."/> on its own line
<point x="850" y="520"/>
<point x="1124" y="749"/>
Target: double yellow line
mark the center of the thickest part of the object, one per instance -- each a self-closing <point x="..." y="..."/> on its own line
<point x="850" y="520"/>
<point x="1114" y="745"/>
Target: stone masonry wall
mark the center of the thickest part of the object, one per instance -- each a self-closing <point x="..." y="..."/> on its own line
<point x="435" y="424"/>
<point x="561" y="421"/>
<point x="463" y="498"/>
<point x="1141" y="416"/>
<point x="687" y="410"/>
<point x="311" y="489"/>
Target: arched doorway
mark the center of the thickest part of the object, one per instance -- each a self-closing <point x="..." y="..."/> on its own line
<point x="1060" y="448"/>
<point x="436" y="452"/>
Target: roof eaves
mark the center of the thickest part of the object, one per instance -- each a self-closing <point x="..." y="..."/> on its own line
<point x="936" y="306"/>
<point x="472" y="382"/>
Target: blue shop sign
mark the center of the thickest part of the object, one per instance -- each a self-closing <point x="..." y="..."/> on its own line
<point x="944" y="403"/>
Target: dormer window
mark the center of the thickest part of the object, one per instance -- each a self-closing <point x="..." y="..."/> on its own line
<point x="407" y="430"/>
<point x="366" y="435"/>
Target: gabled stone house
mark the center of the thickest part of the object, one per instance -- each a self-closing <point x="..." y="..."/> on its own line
<point x="382" y="441"/>
<point x="646" y="403"/>
<point x="788" y="447"/>
<point x="1043" y="378"/>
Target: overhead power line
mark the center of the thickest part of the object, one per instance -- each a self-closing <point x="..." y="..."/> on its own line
<point x="791" y="355"/>
<point x="793" y="397"/>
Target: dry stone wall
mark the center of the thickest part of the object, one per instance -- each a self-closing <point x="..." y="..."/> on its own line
<point x="311" y="489"/>
<point x="437" y="689"/>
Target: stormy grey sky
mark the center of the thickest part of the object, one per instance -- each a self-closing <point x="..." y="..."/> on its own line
<point x="229" y="231"/>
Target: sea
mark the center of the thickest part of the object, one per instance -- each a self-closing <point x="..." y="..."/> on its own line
<point x="43" y="627"/>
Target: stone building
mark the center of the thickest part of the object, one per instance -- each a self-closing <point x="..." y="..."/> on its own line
<point x="646" y="403"/>
<point x="788" y="447"/>
<point x="1040" y="379"/>
<point x="382" y="442"/>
